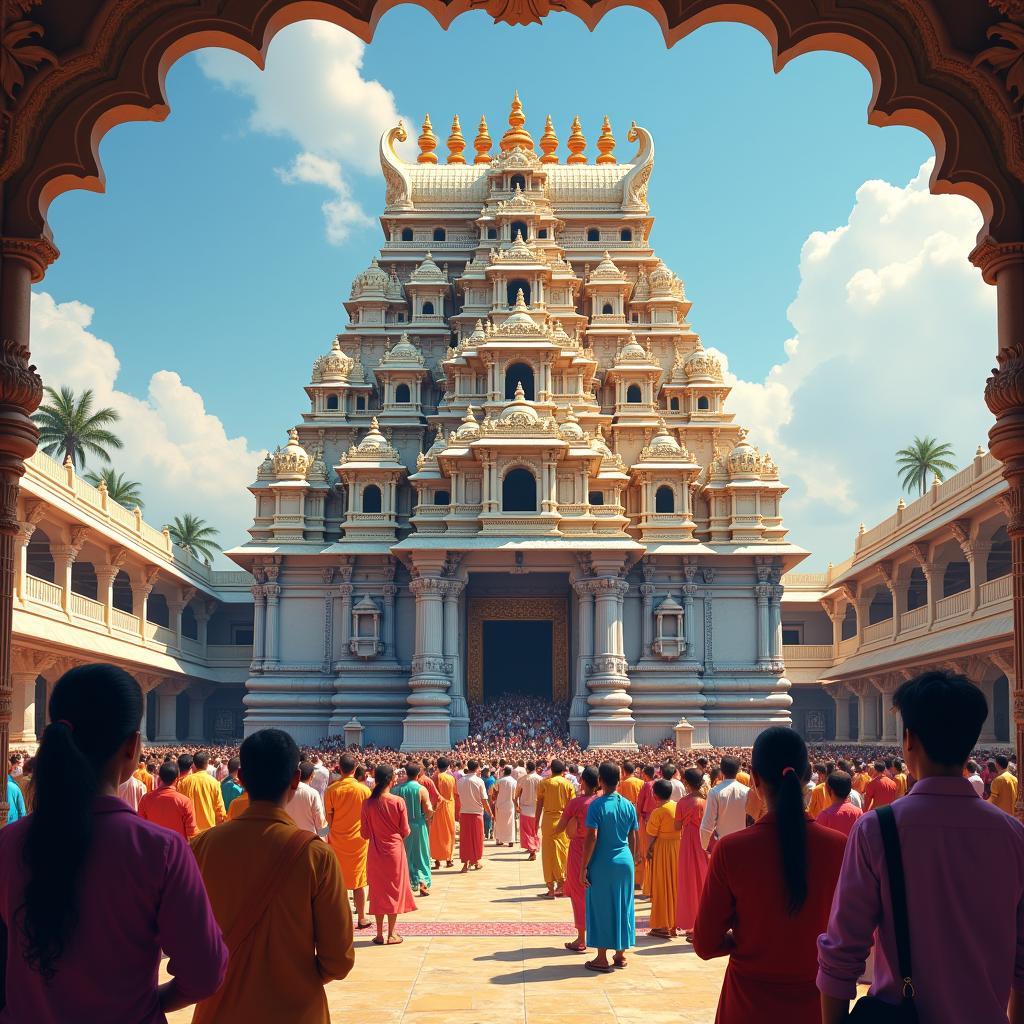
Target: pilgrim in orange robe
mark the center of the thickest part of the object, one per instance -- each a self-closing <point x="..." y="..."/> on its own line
<point x="442" y="825"/>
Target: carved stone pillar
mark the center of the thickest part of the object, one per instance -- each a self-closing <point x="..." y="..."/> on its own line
<point x="105" y="576"/>
<point x="388" y="620"/>
<point x="1002" y="264"/>
<point x="841" y="696"/>
<point x="24" y="261"/>
<point x="259" y="625"/>
<point x="270" y="648"/>
<point x="23" y="707"/>
<point x="887" y="727"/>
<point x="689" y="593"/>
<point x="584" y="655"/>
<point x="203" y="612"/>
<point x="763" y="593"/>
<point x="427" y="724"/>
<point x="452" y="652"/>
<point x="647" y="618"/>
<point x="167" y="715"/>
<point x="775" y="622"/>
<point x="196" y="708"/>
<point x="611" y="723"/>
<point x="345" y="590"/>
<point x="175" y="608"/>
<point x="63" y="558"/>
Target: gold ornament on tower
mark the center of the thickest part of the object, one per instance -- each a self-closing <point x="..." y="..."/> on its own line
<point x="516" y="135"/>
<point x="576" y="144"/>
<point x="549" y="143"/>
<point x="456" y="143"/>
<point x="606" y="144"/>
<point x="482" y="143"/>
<point x="428" y="143"/>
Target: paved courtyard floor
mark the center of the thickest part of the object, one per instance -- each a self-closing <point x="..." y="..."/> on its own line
<point x="483" y="949"/>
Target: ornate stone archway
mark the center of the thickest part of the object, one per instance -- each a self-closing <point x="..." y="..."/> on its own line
<point x="72" y="69"/>
<point x="552" y="609"/>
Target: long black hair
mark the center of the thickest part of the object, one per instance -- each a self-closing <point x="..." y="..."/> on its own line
<point x="382" y="776"/>
<point x="94" y="709"/>
<point x="780" y="761"/>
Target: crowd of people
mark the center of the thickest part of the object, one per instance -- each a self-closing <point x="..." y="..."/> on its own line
<point x="777" y="857"/>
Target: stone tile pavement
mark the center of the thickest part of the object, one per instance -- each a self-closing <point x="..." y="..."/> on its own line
<point x="514" y="978"/>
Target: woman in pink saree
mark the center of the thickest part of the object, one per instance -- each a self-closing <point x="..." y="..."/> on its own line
<point x="384" y="821"/>
<point x="693" y="861"/>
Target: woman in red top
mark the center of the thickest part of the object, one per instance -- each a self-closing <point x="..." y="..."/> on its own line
<point x="573" y="824"/>
<point x="768" y="895"/>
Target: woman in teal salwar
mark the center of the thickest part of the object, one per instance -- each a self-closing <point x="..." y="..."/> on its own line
<point x="417" y="842"/>
<point x="607" y="873"/>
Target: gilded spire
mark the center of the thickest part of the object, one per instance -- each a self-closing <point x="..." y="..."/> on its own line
<point x="516" y="135"/>
<point x="428" y="143"/>
<point x="576" y="144"/>
<point x="456" y="143"/>
<point x="549" y="143"/>
<point x="606" y="144"/>
<point x="482" y="143"/>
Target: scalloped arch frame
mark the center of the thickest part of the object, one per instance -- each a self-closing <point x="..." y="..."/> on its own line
<point x="921" y="80"/>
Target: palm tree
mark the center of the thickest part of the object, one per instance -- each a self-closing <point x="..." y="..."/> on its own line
<point x="69" y="428"/>
<point x="124" y="492"/>
<point x="193" y="535"/>
<point x="925" y="455"/>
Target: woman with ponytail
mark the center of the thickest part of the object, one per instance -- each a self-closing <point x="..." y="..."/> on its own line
<point x="768" y="894"/>
<point x="89" y="892"/>
<point x="384" y="821"/>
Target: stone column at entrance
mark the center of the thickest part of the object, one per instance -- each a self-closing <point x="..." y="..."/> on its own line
<point x="611" y="723"/>
<point x="585" y="652"/>
<point x="273" y="592"/>
<point x="1002" y="264"/>
<point x="259" y="628"/>
<point x="763" y="593"/>
<point x="841" y="696"/>
<point x="427" y="724"/>
<point x="452" y="654"/>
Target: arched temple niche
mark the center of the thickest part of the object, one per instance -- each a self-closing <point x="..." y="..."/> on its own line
<point x="953" y="572"/>
<point x="848" y="629"/>
<point x="917" y="589"/>
<point x="519" y="373"/>
<point x="519" y="490"/>
<point x="39" y="556"/>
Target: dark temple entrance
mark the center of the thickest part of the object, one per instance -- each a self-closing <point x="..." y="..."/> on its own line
<point x="517" y="658"/>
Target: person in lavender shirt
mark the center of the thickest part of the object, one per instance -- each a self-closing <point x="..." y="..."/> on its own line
<point x="89" y="892"/>
<point x="966" y="926"/>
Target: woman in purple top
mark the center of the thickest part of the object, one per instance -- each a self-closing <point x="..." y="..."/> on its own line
<point x="89" y="892"/>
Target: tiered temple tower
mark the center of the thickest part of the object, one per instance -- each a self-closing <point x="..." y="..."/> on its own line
<point x="517" y="472"/>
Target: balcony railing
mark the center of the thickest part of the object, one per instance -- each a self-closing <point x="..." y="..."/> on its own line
<point x="124" y="621"/>
<point x="799" y="653"/>
<point x="86" y="608"/>
<point x="43" y="591"/>
<point x="997" y="590"/>
<point x="878" y="631"/>
<point x="847" y="646"/>
<point x="914" y="619"/>
<point x="955" y="604"/>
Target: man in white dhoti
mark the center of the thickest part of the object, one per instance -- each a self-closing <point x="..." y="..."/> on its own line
<point x="504" y="808"/>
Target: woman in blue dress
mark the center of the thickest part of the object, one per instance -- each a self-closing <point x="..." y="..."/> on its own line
<point x="608" y="857"/>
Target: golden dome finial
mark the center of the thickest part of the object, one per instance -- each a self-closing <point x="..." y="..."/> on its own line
<point x="516" y="135"/>
<point x="456" y="143"/>
<point x="482" y="143"/>
<point x="606" y="144"/>
<point x="576" y="143"/>
<point x="549" y="143"/>
<point x="428" y="143"/>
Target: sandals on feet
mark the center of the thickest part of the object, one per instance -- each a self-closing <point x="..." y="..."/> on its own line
<point x="593" y="965"/>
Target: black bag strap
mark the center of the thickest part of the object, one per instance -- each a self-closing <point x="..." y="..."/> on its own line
<point x="898" y="892"/>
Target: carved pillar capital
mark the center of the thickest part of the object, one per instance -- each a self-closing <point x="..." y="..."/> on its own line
<point x="990" y="257"/>
<point x="35" y="253"/>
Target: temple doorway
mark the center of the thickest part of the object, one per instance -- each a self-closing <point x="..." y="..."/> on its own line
<point x="517" y="658"/>
<point x="517" y="645"/>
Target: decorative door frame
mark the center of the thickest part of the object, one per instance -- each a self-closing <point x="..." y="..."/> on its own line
<point x="532" y="609"/>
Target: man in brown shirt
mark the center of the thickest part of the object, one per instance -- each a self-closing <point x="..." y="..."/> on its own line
<point x="279" y="899"/>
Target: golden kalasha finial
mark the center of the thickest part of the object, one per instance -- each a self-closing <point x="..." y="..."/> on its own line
<point x="576" y="144"/>
<point x="482" y="143"/>
<point x="428" y="143"/>
<point x="456" y="143"/>
<point x="606" y="144"/>
<point x="516" y="135"/>
<point x="549" y="143"/>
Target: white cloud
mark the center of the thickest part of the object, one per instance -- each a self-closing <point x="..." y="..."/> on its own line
<point x="313" y="92"/>
<point x="894" y="335"/>
<point x="179" y="452"/>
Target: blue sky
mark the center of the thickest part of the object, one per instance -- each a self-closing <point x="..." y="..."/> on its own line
<point x="202" y="260"/>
